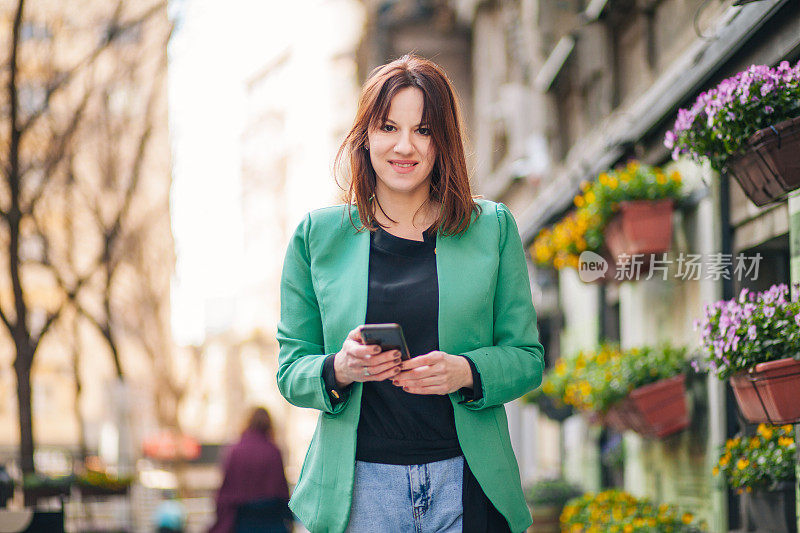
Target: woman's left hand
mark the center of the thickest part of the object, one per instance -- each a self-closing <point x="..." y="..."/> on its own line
<point x="434" y="373"/>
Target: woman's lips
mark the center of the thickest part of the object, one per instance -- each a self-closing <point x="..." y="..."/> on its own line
<point x="403" y="167"/>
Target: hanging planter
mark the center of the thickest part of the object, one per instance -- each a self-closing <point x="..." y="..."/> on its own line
<point x="769" y="393"/>
<point x="769" y="168"/>
<point x="761" y="465"/>
<point x="659" y="409"/>
<point x="748" y="124"/>
<point x="640" y="227"/>
<point x="748" y="399"/>
<point x="774" y="510"/>
<point x="753" y="340"/>
<point x="640" y="389"/>
<point x="634" y="188"/>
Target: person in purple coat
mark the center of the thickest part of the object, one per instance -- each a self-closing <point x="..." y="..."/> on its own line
<point x="254" y="495"/>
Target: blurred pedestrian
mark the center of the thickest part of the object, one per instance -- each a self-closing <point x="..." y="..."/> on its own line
<point x="254" y="495"/>
<point x="420" y="444"/>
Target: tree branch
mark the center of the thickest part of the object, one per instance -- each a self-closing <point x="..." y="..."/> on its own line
<point x="67" y="76"/>
<point x="57" y="153"/>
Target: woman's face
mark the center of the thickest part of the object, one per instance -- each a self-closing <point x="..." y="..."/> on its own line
<point x="401" y="150"/>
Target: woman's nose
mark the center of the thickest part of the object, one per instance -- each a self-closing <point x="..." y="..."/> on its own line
<point x="403" y="145"/>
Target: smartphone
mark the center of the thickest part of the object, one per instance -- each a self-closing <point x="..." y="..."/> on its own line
<point x="387" y="336"/>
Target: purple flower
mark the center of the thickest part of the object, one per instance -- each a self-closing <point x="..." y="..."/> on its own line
<point x="743" y="295"/>
<point x="752" y="332"/>
<point x="669" y="140"/>
<point x="769" y="311"/>
<point x="797" y="319"/>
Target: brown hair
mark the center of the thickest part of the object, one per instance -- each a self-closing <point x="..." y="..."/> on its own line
<point x="259" y="421"/>
<point x="449" y="179"/>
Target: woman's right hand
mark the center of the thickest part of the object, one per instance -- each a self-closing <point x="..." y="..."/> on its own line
<point x="357" y="361"/>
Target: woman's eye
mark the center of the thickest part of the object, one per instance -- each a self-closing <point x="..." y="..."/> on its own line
<point x="388" y="127"/>
<point x="424" y="131"/>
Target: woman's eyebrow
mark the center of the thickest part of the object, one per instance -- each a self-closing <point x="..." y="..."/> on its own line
<point x="420" y="125"/>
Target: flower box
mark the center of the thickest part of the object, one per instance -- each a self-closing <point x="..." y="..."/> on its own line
<point x="656" y="410"/>
<point x="769" y="168"/>
<point x="774" y="510"/>
<point x="660" y="407"/>
<point x="596" y="206"/>
<point x="748" y="398"/>
<point x="640" y="227"/>
<point x="769" y="393"/>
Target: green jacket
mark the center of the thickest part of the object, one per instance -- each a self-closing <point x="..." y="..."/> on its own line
<point x="485" y="314"/>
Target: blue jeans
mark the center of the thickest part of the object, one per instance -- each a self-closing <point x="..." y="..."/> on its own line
<point x="407" y="498"/>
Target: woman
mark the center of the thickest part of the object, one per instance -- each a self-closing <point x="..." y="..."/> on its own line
<point x="422" y="444"/>
<point x="253" y="496"/>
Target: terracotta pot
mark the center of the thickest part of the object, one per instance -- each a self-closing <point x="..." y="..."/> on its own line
<point x="769" y="392"/>
<point x="781" y="380"/>
<point x="769" y="168"/>
<point x="749" y="395"/>
<point x="662" y="406"/>
<point x="640" y="227"/>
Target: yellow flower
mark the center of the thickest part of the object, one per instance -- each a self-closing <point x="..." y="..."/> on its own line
<point x="628" y="528"/>
<point x="715" y="470"/>
<point x="687" y="518"/>
<point x="787" y="429"/>
<point x="589" y="197"/>
<point x="675" y="176"/>
<point x="765" y="431"/>
<point x="724" y="460"/>
<point x="603" y="179"/>
<point x="579" y="201"/>
<point x="748" y="489"/>
<point x="585" y="185"/>
<point x="785" y="441"/>
<point x="613" y="183"/>
<point x="741" y="464"/>
<point x="754" y="443"/>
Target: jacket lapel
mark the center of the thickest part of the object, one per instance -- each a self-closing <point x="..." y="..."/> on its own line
<point x="348" y="288"/>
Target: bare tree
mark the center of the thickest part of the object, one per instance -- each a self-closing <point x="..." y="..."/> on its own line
<point x="48" y="100"/>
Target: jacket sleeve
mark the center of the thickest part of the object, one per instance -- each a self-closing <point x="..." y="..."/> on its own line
<point x="513" y="365"/>
<point x="302" y="352"/>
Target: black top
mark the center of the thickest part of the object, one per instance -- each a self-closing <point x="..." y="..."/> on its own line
<point x="397" y="427"/>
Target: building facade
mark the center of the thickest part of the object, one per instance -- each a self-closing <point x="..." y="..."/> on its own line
<point x="562" y="90"/>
